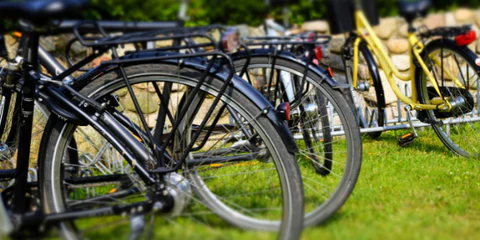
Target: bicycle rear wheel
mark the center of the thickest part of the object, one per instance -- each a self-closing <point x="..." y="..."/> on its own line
<point x="323" y="126"/>
<point x="457" y="76"/>
<point x="243" y="173"/>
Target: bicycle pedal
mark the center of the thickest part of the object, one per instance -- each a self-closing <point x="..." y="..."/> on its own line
<point x="406" y="139"/>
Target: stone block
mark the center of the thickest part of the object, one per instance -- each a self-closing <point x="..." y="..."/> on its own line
<point x="397" y="46"/>
<point x="317" y="26"/>
<point x="401" y="62"/>
<point x="434" y="20"/>
<point x="335" y="45"/>
<point x="463" y="16"/>
<point x="386" y="28"/>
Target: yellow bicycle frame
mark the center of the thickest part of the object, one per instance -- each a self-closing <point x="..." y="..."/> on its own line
<point x="366" y="33"/>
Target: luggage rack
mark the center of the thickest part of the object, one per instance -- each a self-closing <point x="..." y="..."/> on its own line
<point x="307" y="40"/>
<point x="207" y="61"/>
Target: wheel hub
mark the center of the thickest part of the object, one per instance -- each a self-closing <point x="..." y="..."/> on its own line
<point x="310" y="110"/>
<point x="181" y="191"/>
<point x="363" y="86"/>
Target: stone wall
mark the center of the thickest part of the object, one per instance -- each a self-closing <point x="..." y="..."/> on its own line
<point x="393" y="30"/>
<point x="393" y="33"/>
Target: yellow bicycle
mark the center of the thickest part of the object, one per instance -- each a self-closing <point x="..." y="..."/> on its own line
<point x="444" y="77"/>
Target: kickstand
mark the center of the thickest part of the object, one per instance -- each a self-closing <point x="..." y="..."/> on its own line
<point x="137" y="225"/>
<point x="408" y="138"/>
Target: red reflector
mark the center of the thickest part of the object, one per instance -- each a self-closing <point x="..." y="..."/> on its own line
<point x="283" y="111"/>
<point x="310" y="36"/>
<point x="318" y="53"/>
<point x="465" y="39"/>
<point x="330" y="72"/>
<point x="287" y="111"/>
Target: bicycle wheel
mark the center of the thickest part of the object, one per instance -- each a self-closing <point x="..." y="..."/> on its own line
<point x="243" y="173"/>
<point x="323" y="126"/>
<point x="457" y="76"/>
<point x="368" y="95"/>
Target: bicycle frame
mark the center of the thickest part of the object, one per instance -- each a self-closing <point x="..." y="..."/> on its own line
<point x="131" y="151"/>
<point x="38" y="87"/>
<point x="366" y="33"/>
<point x="57" y="71"/>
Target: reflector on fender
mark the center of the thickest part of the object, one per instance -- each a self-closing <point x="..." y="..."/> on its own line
<point x="466" y="38"/>
<point x="330" y="72"/>
<point x="318" y="53"/>
<point x="283" y="111"/>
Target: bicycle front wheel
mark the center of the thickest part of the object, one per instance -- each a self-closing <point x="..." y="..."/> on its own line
<point x="242" y="172"/>
<point x="456" y="74"/>
<point x="323" y="125"/>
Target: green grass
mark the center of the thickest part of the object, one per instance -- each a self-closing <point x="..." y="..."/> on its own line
<point x="421" y="191"/>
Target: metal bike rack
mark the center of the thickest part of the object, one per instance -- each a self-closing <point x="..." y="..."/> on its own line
<point x="398" y="120"/>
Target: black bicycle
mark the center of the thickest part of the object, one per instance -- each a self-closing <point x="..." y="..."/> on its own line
<point x="214" y="139"/>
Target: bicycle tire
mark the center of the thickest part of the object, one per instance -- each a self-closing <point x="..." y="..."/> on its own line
<point x="459" y="129"/>
<point x="316" y="211"/>
<point x="58" y="132"/>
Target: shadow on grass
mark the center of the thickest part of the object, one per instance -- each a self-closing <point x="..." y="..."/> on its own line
<point x="423" y="144"/>
<point x="337" y="217"/>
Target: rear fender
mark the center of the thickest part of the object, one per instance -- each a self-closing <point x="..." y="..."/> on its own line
<point x="199" y="63"/>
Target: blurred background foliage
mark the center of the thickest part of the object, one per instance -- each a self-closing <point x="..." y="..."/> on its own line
<point x="231" y="12"/>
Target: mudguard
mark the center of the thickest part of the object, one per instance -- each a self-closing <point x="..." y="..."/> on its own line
<point x="290" y="57"/>
<point x="377" y="81"/>
<point x="238" y="84"/>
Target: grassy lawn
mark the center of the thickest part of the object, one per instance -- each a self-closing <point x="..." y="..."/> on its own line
<point x="421" y="191"/>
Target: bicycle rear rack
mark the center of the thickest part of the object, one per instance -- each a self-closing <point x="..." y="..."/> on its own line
<point x="214" y="61"/>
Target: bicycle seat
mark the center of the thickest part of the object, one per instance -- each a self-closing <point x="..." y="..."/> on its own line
<point x="39" y="10"/>
<point x="411" y="9"/>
